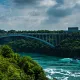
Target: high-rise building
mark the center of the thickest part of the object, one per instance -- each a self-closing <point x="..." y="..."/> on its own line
<point x="73" y="29"/>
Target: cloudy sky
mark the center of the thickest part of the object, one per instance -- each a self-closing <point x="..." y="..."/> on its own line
<point x="39" y="14"/>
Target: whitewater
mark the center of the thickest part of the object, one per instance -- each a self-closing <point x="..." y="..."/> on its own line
<point x="55" y="67"/>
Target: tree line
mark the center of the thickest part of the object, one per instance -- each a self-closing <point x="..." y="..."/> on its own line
<point x="31" y="31"/>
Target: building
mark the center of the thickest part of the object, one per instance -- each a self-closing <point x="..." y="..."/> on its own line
<point x="73" y="29"/>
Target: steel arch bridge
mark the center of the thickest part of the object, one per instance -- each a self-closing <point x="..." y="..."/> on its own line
<point x="51" y="39"/>
<point x="27" y="36"/>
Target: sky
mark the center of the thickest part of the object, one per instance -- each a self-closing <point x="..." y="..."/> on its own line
<point x="39" y="14"/>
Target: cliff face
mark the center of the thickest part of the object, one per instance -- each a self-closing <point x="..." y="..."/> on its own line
<point x="14" y="67"/>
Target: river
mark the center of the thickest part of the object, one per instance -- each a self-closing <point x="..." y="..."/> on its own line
<point x="60" y="68"/>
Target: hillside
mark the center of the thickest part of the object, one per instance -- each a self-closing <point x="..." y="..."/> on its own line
<point x="14" y="67"/>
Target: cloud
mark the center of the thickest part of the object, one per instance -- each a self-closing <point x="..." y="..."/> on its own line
<point x="48" y="3"/>
<point x="63" y="9"/>
<point x="68" y="21"/>
<point x="57" y="12"/>
<point x="39" y="14"/>
<point x="29" y="18"/>
<point x="22" y="2"/>
<point x="60" y="1"/>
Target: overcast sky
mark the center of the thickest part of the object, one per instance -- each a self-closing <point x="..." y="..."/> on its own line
<point x="39" y="14"/>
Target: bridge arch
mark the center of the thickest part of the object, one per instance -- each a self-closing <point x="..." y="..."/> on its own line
<point x="30" y="37"/>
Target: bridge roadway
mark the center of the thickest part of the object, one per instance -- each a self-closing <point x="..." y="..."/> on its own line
<point x="51" y="38"/>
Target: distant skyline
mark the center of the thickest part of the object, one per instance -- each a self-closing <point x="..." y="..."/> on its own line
<point x="39" y="14"/>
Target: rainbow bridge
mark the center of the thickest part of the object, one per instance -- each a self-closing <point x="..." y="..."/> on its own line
<point x="51" y="39"/>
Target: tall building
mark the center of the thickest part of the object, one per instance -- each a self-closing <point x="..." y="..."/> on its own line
<point x="73" y="29"/>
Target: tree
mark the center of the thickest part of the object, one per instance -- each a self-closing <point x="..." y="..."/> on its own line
<point x="6" y="51"/>
<point x="12" y="31"/>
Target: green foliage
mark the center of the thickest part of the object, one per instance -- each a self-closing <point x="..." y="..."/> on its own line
<point x="29" y="45"/>
<point x="6" y="51"/>
<point x="69" y="48"/>
<point x="14" y="67"/>
<point x="37" y="31"/>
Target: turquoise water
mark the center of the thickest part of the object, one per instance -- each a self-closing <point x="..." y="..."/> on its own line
<point x="60" y="68"/>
